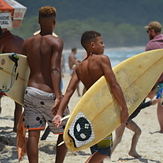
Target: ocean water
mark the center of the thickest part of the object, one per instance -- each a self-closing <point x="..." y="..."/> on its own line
<point x="116" y="55"/>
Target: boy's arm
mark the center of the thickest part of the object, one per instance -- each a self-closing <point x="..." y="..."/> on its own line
<point x="115" y="87"/>
<point x="56" y="71"/>
<point x="144" y="105"/>
<point x="1" y="46"/>
<point x="23" y="51"/>
<point x="148" y="103"/>
<point x="69" y="92"/>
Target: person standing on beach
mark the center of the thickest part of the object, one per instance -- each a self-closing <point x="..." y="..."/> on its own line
<point x="131" y="125"/>
<point x="0" y="31"/>
<point x="0" y="36"/>
<point x="63" y="68"/>
<point x="43" y="96"/>
<point x="156" y="42"/>
<point x="73" y="61"/>
<point x="88" y="72"/>
<point x="10" y="43"/>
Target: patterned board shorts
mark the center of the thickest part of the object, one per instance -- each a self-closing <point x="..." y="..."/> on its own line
<point x="37" y="110"/>
<point x="104" y="146"/>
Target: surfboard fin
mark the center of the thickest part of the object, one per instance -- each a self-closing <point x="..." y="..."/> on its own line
<point x="14" y="57"/>
<point x="66" y="117"/>
<point x="61" y="143"/>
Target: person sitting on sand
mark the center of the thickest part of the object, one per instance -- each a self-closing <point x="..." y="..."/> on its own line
<point x="131" y="125"/>
<point x="88" y="72"/>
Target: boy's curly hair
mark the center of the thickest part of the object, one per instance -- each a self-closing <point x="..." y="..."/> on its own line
<point x="47" y="11"/>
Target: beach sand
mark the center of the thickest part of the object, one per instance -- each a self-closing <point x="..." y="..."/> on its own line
<point x="150" y="144"/>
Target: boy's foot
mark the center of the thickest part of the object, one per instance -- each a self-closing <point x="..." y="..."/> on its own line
<point x="134" y="154"/>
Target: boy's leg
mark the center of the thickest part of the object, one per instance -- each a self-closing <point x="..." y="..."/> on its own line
<point x="17" y="114"/>
<point x="118" y="136"/>
<point x="160" y="114"/>
<point x="0" y="102"/>
<point x="60" y="150"/>
<point x="32" y="145"/>
<point x="78" y="91"/>
<point x="97" y="157"/>
<point x="137" y="131"/>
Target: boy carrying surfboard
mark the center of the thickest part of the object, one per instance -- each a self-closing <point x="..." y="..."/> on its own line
<point x="94" y="66"/>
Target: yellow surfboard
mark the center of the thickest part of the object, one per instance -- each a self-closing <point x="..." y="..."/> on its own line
<point x="97" y="113"/>
<point x="14" y="72"/>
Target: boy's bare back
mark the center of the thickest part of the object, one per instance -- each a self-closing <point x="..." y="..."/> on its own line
<point x="44" y="54"/>
<point x="92" y="68"/>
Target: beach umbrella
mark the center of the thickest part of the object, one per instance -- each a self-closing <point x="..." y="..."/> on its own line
<point x="11" y="14"/>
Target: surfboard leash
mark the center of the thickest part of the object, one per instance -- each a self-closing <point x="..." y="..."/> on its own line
<point x="14" y="57"/>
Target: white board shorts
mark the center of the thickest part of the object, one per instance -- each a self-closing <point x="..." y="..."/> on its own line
<point x="37" y="110"/>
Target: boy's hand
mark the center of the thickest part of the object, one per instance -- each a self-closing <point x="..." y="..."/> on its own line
<point x="54" y="109"/>
<point x="57" y="120"/>
<point x="124" y="116"/>
<point x="154" y="101"/>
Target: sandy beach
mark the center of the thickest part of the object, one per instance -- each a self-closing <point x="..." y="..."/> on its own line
<point x="150" y="144"/>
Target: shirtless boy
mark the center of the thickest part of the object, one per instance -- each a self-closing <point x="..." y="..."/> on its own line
<point x="73" y="61"/>
<point x="43" y="96"/>
<point x="0" y="31"/>
<point x="11" y="43"/>
<point x="88" y="72"/>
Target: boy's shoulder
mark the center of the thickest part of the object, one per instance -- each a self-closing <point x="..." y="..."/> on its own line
<point x="102" y="56"/>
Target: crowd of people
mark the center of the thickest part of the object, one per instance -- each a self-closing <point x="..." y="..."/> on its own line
<point x="43" y="99"/>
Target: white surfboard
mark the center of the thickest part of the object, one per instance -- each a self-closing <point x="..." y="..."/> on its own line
<point x="14" y="72"/>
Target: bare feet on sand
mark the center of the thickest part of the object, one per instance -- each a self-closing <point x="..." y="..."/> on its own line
<point x="134" y="154"/>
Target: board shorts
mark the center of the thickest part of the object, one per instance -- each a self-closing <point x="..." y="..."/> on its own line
<point x="72" y="70"/>
<point x="104" y="146"/>
<point x="160" y="86"/>
<point x="37" y="110"/>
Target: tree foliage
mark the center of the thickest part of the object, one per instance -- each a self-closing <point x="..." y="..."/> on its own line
<point x="121" y="23"/>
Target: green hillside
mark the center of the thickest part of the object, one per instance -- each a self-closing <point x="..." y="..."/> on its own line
<point x="121" y="22"/>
